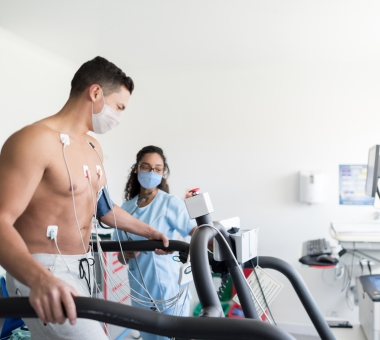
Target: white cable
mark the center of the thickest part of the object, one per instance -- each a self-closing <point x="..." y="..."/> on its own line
<point x="137" y="300"/>
<point x="349" y="302"/>
<point x="99" y="247"/>
<point x="114" y="216"/>
<point x="73" y="198"/>
<point x="341" y="271"/>
<point x="101" y="254"/>
<point x="233" y="256"/>
<point x="324" y="279"/>
<point x="80" y="283"/>
<point x="187" y="291"/>
<point x="110" y="275"/>
<point x="92" y="225"/>
<point x="68" y="268"/>
<point x="158" y="302"/>
<point x="184" y="300"/>
<point x="104" y="267"/>
<point x="138" y="265"/>
<point x="95" y="227"/>
<point x="76" y="219"/>
<point x="75" y="212"/>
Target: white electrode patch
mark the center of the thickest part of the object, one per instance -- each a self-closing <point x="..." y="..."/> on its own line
<point x="85" y="171"/>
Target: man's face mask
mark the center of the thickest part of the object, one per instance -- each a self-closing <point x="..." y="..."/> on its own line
<point x="106" y="119"/>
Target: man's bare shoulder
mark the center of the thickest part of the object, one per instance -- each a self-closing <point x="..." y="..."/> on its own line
<point x="34" y="137"/>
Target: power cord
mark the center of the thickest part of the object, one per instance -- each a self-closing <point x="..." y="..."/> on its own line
<point x="262" y="292"/>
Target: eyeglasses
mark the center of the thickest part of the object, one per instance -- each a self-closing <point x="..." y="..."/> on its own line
<point x="147" y="168"/>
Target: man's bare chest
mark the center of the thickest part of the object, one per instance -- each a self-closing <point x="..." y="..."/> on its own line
<point x="76" y="168"/>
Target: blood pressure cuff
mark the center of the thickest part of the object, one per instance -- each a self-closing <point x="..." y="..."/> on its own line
<point x="105" y="204"/>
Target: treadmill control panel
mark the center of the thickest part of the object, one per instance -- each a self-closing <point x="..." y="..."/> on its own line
<point x="371" y="285"/>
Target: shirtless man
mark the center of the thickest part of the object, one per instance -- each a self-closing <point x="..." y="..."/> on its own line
<point x="36" y="192"/>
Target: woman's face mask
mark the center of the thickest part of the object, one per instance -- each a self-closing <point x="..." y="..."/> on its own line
<point x="149" y="180"/>
<point x="105" y="120"/>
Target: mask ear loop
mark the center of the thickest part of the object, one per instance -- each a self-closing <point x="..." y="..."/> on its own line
<point x="104" y="100"/>
<point x="165" y="174"/>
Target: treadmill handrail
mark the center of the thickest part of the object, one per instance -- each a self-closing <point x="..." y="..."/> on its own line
<point x="156" y="323"/>
<point x="202" y="275"/>
<point x="302" y="291"/>
<point x="109" y="246"/>
<point x="204" y="284"/>
<point x="167" y="325"/>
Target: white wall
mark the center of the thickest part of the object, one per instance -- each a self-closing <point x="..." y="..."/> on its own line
<point x="242" y="133"/>
<point x="34" y="83"/>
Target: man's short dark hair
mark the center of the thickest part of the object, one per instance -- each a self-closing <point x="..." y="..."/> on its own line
<point x="102" y="72"/>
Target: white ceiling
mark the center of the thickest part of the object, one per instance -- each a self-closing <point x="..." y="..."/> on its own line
<point x="199" y="33"/>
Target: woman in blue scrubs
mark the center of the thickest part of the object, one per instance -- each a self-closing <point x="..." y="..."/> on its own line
<point x="148" y="199"/>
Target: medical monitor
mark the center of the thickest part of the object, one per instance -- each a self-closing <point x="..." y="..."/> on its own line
<point x="372" y="171"/>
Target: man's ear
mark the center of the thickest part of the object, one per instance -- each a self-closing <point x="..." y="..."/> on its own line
<point x="94" y="92"/>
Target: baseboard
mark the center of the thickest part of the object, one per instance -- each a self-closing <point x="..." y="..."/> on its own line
<point x="298" y="328"/>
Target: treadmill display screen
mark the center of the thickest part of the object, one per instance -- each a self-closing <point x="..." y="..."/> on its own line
<point x="375" y="280"/>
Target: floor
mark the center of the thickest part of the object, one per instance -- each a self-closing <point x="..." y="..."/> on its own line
<point x="297" y="337"/>
<point x="356" y="333"/>
<point x="304" y="337"/>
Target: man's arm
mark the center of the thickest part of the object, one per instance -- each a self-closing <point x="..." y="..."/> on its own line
<point x="23" y="161"/>
<point x="126" y="222"/>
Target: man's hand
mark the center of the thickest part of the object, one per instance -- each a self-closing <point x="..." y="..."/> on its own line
<point x="127" y="255"/>
<point x="156" y="235"/>
<point x="132" y="225"/>
<point x="51" y="298"/>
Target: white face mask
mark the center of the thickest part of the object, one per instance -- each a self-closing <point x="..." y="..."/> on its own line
<point x="106" y="119"/>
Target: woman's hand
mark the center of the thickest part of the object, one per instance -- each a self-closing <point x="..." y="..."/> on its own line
<point x="127" y="255"/>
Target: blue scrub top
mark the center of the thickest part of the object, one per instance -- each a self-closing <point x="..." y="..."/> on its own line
<point x="167" y="214"/>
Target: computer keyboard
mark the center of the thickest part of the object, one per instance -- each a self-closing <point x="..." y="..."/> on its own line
<point x="316" y="247"/>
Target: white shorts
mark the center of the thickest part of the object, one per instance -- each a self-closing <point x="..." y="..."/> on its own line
<point x="84" y="329"/>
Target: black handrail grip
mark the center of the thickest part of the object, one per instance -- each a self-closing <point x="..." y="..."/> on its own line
<point x="110" y="246"/>
<point x="156" y="323"/>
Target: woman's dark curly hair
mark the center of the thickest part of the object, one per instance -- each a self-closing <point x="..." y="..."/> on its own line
<point x="132" y="188"/>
